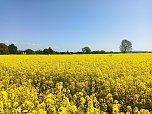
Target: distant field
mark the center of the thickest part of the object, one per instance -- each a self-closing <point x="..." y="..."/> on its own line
<point x="76" y="84"/>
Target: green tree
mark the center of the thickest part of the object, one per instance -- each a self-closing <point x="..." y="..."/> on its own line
<point x="3" y="49"/>
<point x="86" y="50"/>
<point x="29" y="51"/>
<point x="12" y="49"/>
<point x="50" y="50"/>
<point x="125" y="46"/>
<point x="39" y="52"/>
<point x="46" y="51"/>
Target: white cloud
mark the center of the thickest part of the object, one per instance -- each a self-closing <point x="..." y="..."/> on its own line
<point x="6" y="41"/>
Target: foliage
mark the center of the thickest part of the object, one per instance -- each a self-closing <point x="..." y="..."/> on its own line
<point x="98" y="52"/>
<point x="125" y="46"/>
<point x="86" y="50"/>
<point x="39" y="52"/>
<point x="29" y="51"/>
<point x="12" y="49"/>
<point x="48" y="51"/>
<point x="3" y="49"/>
<point x="76" y="84"/>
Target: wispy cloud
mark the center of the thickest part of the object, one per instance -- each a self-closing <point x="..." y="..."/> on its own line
<point x="35" y="44"/>
<point x="6" y="41"/>
<point x="21" y="43"/>
<point x="28" y="43"/>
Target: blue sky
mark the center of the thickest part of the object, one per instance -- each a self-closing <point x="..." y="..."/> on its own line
<point x="72" y="24"/>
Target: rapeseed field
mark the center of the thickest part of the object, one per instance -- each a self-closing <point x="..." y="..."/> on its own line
<point x="76" y="84"/>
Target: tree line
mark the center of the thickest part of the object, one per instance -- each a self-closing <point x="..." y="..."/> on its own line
<point x="125" y="47"/>
<point x="12" y="49"/>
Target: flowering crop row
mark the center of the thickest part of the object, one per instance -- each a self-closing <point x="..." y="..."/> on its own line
<point x="76" y="84"/>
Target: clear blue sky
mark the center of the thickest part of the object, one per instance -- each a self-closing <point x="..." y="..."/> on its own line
<point x="72" y="24"/>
